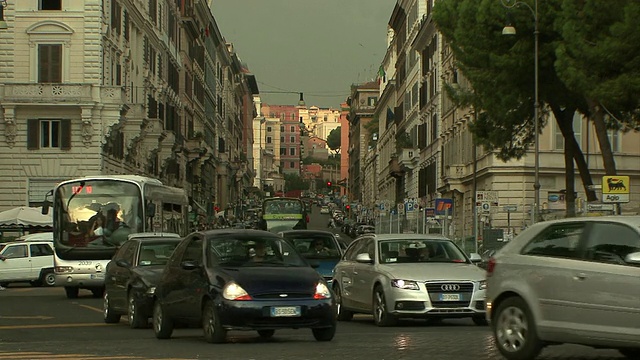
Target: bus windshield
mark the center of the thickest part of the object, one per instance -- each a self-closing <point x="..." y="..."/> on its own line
<point x="97" y="213"/>
<point x="279" y="214"/>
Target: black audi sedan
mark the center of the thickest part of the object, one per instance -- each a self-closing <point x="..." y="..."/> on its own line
<point x="131" y="277"/>
<point x="240" y="279"/>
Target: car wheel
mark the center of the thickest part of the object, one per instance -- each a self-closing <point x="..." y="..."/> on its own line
<point x="49" y="279"/>
<point x="162" y="324"/>
<point x="137" y="319"/>
<point x="480" y="320"/>
<point x="97" y="292"/>
<point x="630" y="353"/>
<point x="343" y="314"/>
<point x="266" y="334"/>
<point x="72" y="292"/>
<point x="381" y="316"/>
<point x="213" y="330"/>
<point x="110" y="316"/>
<point x="514" y="330"/>
<point x="324" y="334"/>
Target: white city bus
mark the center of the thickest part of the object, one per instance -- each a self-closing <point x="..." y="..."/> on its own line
<point x="93" y="215"/>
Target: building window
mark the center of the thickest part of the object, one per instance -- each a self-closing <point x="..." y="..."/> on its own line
<point x="293" y="129"/>
<point x="43" y="133"/>
<point x="282" y="128"/>
<point x="281" y="139"/>
<point x="292" y="164"/>
<point x="38" y="188"/>
<point x="577" y="131"/>
<point x="50" y="63"/>
<point x="371" y="101"/>
<point x="268" y="139"/>
<point x="614" y="140"/>
<point x="292" y="151"/>
<point x="268" y="128"/>
<point x="283" y="151"/>
<point x="50" y="5"/>
<point x="293" y="139"/>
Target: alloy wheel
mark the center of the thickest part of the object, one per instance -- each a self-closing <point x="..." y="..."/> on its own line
<point x="512" y="329"/>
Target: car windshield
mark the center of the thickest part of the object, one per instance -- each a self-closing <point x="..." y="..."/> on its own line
<point x="314" y="246"/>
<point x="414" y="251"/>
<point x="244" y="251"/>
<point x="156" y="253"/>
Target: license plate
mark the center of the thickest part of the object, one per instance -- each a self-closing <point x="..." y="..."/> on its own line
<point x="97" y="276"/>
<point x="449" y="297"/>
<point x="285" y="311"/>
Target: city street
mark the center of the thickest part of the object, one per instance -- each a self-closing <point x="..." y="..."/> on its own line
<point x="41" y="323"/>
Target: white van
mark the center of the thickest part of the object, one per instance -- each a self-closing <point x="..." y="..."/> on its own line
<point x="27" y="261"/>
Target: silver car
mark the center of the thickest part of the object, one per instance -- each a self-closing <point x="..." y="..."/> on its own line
<point x="567" y="281"/>
<point x="396" y="276"/>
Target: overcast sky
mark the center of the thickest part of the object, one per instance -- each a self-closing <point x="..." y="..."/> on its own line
<point x="319" y="47"/>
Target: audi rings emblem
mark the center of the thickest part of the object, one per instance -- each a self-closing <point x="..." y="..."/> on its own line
<point x="450" y="287"/>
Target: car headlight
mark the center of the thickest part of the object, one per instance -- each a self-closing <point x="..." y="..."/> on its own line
<point x="405" y="284"/>
<point x="482" y="284"/>
<point x="151" y="290"/>
<point x="322" y="291"/>
<point x="233" y="291"/>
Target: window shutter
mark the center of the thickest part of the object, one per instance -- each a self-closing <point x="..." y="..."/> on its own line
<point x="33" y="134"/>
<point x="65" y="134"/>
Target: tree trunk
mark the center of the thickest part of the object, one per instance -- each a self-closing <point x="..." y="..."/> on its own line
<point x="566" y="117"/>
<point x="570" y="187"/>
<point x="597" y="115"/>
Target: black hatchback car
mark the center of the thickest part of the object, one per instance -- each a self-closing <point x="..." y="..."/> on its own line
<point x="232" y="279"/>
<point x="131" y="277"/>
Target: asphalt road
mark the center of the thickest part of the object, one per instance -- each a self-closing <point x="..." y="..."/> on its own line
<point x="41" y="323"/>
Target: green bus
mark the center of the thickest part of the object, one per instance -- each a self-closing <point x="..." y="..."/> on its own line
<point x="283" y="213"/>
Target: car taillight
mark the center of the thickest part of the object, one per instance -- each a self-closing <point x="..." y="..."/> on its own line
<point x="491" y="265"/>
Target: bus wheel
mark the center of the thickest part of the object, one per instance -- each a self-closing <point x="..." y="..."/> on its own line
<point x="72" y="292"/>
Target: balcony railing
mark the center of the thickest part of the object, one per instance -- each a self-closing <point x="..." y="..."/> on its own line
<point x="62" y="93"/>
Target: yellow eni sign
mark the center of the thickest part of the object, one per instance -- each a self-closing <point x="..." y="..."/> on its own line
<point x="615" y="189"/>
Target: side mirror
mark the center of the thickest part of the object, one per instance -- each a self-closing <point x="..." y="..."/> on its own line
<point x="364" y="258"/>
<point x="189" y="265"/>
<point x="151" y="210"/>
<point x="3" y="258"/>
<point x="45" y="207"/>
<point x="46" y="203"/>
<point x="475" y="258"/>
<point x="633" y="258"/>
<point x="123" y="263"/>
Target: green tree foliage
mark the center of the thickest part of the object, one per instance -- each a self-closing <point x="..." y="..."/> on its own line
<point x="600" y="59"/>
<point x="500" y="71"/>
<point x="294" y="182"/>
<point x="334" y="140"/>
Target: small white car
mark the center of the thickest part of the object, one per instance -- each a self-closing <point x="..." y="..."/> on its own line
<point x="324" y="210"/>
<point x="573" y="280"/>
<point x="27" y="261"/>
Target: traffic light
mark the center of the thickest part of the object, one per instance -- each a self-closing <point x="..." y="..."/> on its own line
<point x="328" y="184"/>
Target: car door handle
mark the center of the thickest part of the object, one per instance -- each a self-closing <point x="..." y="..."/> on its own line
<point x="355" y="273"/>
<point x="580" y="276"/>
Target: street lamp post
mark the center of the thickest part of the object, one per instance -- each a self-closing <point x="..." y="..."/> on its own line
<point x="510" y="30"/>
